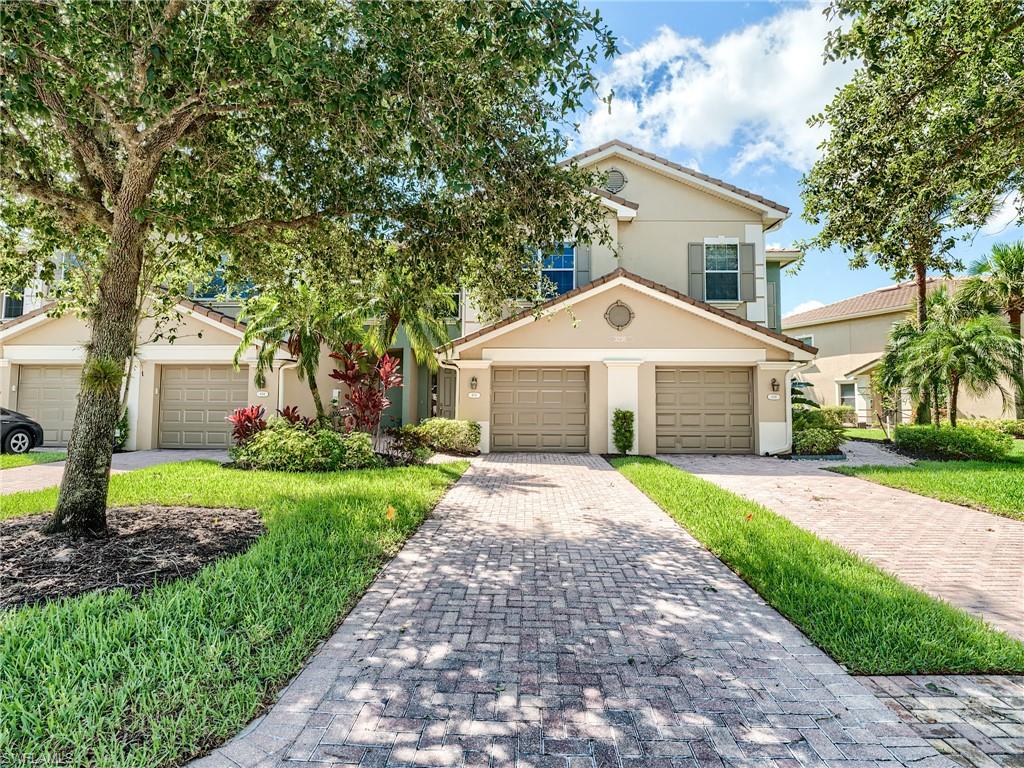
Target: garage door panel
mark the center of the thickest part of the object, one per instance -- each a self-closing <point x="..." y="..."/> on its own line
<point x="535" y="408"/>
<point x="703" y="410"/>
<point x="195" y="402"/>
<point x="49" y="395"/>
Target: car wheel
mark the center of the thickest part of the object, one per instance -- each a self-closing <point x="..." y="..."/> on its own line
<point x="19" y="441"/>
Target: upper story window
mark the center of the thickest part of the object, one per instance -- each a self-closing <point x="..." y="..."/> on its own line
<point x="721" y="272"/>
<point x="12" y="307"/>
<point x="808" y="340"/>
<point x="559" y="266"/>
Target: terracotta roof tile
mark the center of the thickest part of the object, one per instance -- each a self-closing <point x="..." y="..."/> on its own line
<point x="615" y="198"/>
<point x="642" y="281"/>
<point x="677" y="167"/>
<point x="893" y="297"/>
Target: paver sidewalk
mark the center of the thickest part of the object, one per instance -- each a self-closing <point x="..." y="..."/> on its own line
<point x="970" y="558"/>
<point x="550" y="615"/>
<point x="35" y="477"/>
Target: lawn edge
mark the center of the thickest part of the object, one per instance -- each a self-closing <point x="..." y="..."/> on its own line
<point x="863" y="562"/>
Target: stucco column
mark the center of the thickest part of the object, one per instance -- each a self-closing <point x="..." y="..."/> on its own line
<point x="5" y="383"/>
<point x="773" y="409"/>
<point x="473" y="403"/>
<point x="132" y="403"/>
<point x="624" y="393"/>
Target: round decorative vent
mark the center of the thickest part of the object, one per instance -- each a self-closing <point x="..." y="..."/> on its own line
<point x="616" y="181"/>
<point x="619" y="315"/>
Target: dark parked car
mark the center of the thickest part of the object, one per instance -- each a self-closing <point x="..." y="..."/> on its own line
<point x="18" y="433"/>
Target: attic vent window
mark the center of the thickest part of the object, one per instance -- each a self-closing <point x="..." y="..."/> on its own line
<point x="616" y="181"/>
<point x="619" y="315"/>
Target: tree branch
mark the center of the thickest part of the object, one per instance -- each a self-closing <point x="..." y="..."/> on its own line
<point x="277" y="224"/>
<point x="74" y="209"/>
<point x="143" y="54"/>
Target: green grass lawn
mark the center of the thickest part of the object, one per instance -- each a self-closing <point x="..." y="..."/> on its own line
<point x="107" y="679"/>
<point x="993" y="486"/>
<point x="858" y="433"/>
<point x="12" y="460"/>
<point x="867" y="620"/>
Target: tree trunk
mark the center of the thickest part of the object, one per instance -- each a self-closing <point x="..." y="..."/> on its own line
<point x="1018" y="397"/>
<point x="954" y="391"/>
<point x="937" y="405"/>
<point x="82" y="503"/>
<point x="923" y="415"/>
<point x="318" y="403"/>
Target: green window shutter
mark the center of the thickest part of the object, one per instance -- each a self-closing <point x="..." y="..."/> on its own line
<point x="582" y="264"/>
<point x="747" y="290"/>
<point x="773" y="304"/>
<point x="695" y="285"/>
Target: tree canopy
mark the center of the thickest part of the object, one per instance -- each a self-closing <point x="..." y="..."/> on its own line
<point x="928" y="136"/>
<point x="154" y="140"/>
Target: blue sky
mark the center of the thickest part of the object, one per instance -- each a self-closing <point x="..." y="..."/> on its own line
<point x="727" y="87"/>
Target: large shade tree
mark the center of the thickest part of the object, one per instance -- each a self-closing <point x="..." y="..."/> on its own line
<point x="178" y="132"/>
<point x="926" y="138"/>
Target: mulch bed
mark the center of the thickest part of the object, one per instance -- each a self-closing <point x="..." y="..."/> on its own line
<point x="143" y="546"/>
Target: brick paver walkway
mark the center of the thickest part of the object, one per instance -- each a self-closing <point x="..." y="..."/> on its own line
<point x="970" y="558"/>
<point x="549" y="615"/>
<point x="978" y="720"/>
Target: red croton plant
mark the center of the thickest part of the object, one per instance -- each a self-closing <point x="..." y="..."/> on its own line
<point x="246" y="422"/>
<point x="368" y="380"/>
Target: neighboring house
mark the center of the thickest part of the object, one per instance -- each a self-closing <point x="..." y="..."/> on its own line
<point x="678" y="323"/>
<point x="851" y="336"/>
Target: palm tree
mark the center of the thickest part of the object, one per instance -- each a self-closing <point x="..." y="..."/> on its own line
<point x="303" y="318"/>
<point x="998" y="282"/>
<point x="958" y="347"/>
<point x="395" y="297"/>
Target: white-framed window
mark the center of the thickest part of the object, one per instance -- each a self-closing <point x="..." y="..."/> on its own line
<point x="848" y="394"/>
<point x="808" y="339"/>
<point x="11" y="306"/>
<point x="559" y="266"/>
<point x="721" y="271"/>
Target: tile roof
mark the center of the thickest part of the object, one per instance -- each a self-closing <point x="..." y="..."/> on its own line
<point x="620" y="272"/>
<point x="615" y="198"/>
<point x="892" y="298"/>
<point x="681" y="168"/>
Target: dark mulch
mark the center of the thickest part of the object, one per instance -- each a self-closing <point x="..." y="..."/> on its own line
<point x="143" y="546"/>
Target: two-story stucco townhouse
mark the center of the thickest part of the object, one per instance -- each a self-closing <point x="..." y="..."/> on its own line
<point x="679" y="322"/>
<point x="851" y="336"/>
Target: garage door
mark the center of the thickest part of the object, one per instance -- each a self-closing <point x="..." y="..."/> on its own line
<point x="195" y="401"/>
<point x="539" y="409"/>
<point x="49" y="394"/>
<point x="704" y="410"/>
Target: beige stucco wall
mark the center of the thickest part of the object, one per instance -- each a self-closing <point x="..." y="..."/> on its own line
<point x="660" y="334"/>
<point x="670" y="216"/>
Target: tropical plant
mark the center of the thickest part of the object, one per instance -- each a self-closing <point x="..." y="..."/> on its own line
<point x="304" y="318"/>
<point x="290" y="413"/>
<point x="997" y="285"/>
<point x="957" y="348"/>
<point x="151" y="137"/>
<point x="368" y="379"/>
<point x="816" y="441"/>
<point x="799" y="396"/>
<point x="247" y="422"/>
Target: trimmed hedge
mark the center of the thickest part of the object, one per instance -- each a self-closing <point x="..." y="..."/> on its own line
<point x="622" y="430"/>
<point x="1011" y="427"/>
<point x="947" y="443"/>
<point x="450" y="435"/>
<point x="290" y="447"/>
<point x="816" y="442"/>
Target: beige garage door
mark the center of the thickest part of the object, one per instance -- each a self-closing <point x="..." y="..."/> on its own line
<point x="49" y="394"/>
<point x="539" y="409"/>
<point x="195" y="401"/>
<point x="707" y="410"/>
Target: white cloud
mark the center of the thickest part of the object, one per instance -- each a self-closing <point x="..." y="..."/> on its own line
<point x="753" y="88"/>
<point x="806" y="306"/>
<point x="1005" y="216"/>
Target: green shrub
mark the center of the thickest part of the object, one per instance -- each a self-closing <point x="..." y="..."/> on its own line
<point x="1011" y="427"/>
<point x="622" y="430"/>
<point x="815" y="441"/>
<point x="952" y="443"/>
<point x="450" y="435"/>
<point x="408" y="445"/>
<point x="818" y="418"/>
<point x="296" y="448"/>
<point x="839" y="415"/>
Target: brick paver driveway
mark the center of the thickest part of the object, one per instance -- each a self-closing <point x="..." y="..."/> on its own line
<point x="550" y="615"/>
<point x="970" y="558"/>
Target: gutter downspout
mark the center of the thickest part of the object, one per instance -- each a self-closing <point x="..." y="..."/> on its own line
<point x="280" y="382"/>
